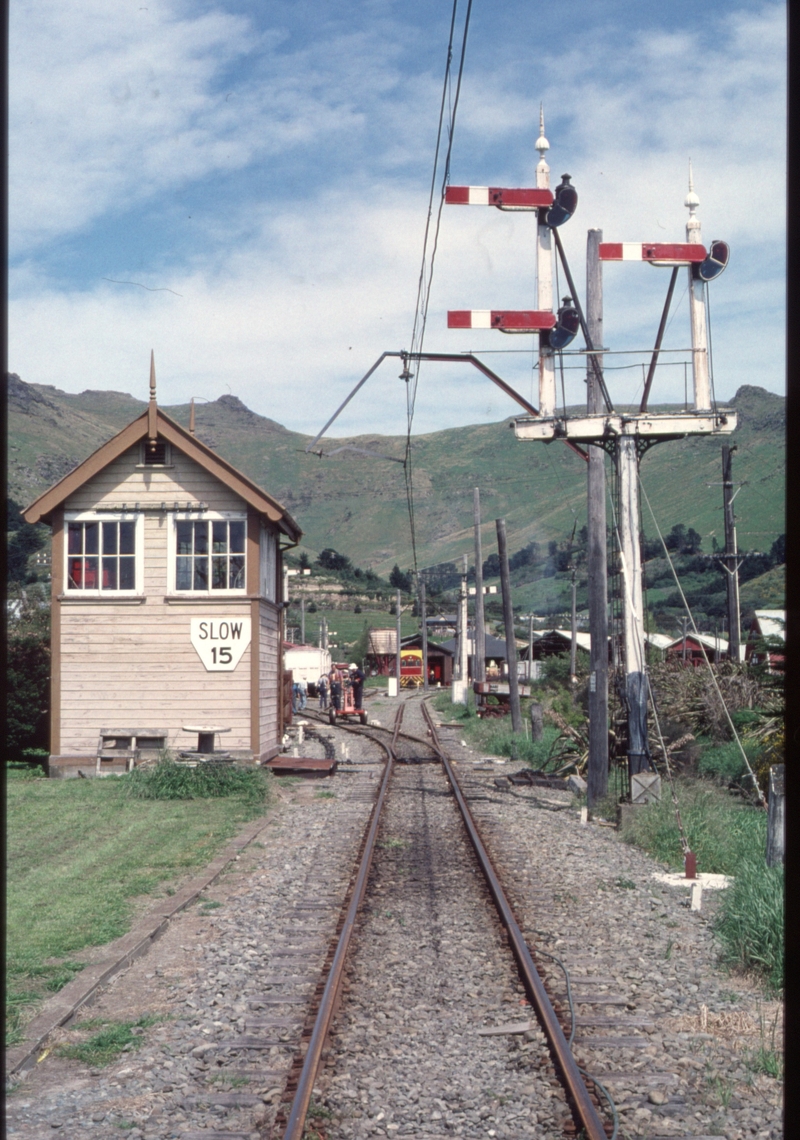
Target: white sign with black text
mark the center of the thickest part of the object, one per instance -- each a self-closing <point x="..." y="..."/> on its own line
<point x="220" y="642"/>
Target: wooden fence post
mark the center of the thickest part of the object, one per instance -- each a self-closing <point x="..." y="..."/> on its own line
<point x="776" y="817"/>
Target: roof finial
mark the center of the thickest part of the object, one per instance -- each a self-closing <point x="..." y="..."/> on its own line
<point x="542" y="145"/>
<point x="691" y="201"/>
<point x="152" y="429"/>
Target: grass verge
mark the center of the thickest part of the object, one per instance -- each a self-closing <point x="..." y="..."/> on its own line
<point x="729" y="838"/>
<point x="80" y="852"/>
<point x="495" y="735"/>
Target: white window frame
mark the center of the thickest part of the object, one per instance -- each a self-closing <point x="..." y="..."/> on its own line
<point x="100" y="516"/>
<point x="174" y="517"/>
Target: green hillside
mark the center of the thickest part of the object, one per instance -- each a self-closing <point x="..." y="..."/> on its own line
<point x="358" y="505"/>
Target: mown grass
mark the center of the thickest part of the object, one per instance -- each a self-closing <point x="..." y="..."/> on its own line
<point x="729" y="838"/>
<point x="79" y="854"/>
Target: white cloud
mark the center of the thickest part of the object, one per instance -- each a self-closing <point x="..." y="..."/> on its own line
<point x="273" y="297"/>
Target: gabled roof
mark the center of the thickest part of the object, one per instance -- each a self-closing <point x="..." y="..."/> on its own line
<point x="771" y="623"/>
<point x="41" y="509"/>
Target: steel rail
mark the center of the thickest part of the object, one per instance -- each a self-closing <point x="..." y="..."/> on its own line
<point x="583" y="1109"/>
<point x="295" y="1125"/>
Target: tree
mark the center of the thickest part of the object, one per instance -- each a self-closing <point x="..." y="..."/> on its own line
<point x="28" y="679"/>
<point x="777" y="551"/>
<point x="330" y="559"/>
<point x="399" y="580"/>
<point x="305" y="561"/>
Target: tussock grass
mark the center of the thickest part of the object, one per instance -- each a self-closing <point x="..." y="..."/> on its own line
<point x="79" y="855"/>
<point x="750" y="924"/>
<point x="170" y="781"/>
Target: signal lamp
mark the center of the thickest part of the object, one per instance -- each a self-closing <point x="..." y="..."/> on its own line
<point x="717" y="260"/>
<point x="566" y="327"/>
<point x="564" y="205"/>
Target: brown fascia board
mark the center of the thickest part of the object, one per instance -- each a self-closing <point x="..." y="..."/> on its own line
<point x="41" y="509"/>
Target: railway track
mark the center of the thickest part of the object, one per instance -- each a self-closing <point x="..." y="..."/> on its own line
<point x="583" y="1103"/>
<point x="431" y="1031"/>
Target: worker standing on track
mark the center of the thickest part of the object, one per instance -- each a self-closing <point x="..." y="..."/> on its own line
<point x="322" y="689"/>
<point x="357" y="681"/>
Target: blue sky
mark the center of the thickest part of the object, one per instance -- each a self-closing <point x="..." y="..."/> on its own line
<point x="260" y="171"/>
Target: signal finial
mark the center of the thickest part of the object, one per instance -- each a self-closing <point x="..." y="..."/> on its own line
<point x="542" y="145"/>
<point x="691" y="201"/>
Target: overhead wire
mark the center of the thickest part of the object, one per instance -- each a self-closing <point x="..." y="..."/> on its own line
<point x="426" y="269"/>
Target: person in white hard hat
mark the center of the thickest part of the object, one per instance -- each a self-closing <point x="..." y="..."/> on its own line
<point x="357" y="681"/>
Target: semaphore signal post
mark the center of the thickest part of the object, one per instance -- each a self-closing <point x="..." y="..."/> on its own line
<point x="625" y="436"/>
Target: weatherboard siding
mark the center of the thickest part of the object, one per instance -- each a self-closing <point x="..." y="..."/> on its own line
<point x="269" y="636"/>
<point x="135" y="666"/>
<point x="124" y="480"/>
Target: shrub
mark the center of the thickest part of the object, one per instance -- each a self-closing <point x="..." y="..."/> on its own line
<point x="724" y="762"/>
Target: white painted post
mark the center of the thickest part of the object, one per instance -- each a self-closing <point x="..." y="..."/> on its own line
<point x="633" y="607"/>
<point x="697" y="309"/>
<point x="544" y="280"/>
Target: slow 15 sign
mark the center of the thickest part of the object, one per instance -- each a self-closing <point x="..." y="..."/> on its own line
<point x="220" y="642"/>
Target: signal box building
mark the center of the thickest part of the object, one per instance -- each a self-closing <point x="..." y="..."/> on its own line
<point x="166" y="601"/>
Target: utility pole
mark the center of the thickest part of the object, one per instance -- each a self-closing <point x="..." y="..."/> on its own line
<point x="573" y="650"/>
<point x="423" y="615"/>
<point x="479" y="662"/>
<point x="685" y="624"/>
<point x="397" y="655"/>
<point x="731" y="559"/>
<point x="530" y="648"/>
<point x="597" y="554"/>
<point x="464" y="618"/>
<point x="508" y="621"/>
<point x="302" y="619"/>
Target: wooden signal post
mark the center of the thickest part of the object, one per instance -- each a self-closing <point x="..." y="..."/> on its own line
<point x="625" y="437"/>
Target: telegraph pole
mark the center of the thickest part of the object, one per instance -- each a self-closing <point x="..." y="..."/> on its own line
<point x="479" y="663"/>
<point x="508" y="621"/>
<point x="425" y="685"/>
<point x="597" y="554"/>
<point x="731" y="558"/>
<point x="397" y="655"/>
<point x="573" y="648"/>
<point x="464" y="619"/>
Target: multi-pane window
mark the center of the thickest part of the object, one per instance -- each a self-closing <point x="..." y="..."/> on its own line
<point x="101" y="555"/>
<point x="210" y="554"/>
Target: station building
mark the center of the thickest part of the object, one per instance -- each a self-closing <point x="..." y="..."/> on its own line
<point x="166" y="600"/>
